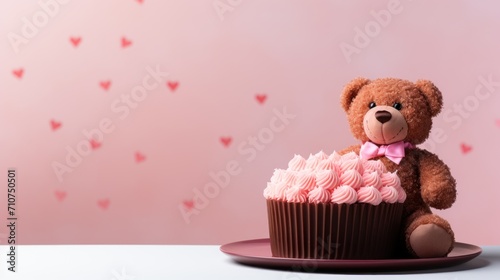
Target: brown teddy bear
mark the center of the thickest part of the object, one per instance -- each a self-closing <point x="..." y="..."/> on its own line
<point x="390" y="116"/>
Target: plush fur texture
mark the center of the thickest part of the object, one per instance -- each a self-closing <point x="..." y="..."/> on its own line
<point x="425" y="178"/>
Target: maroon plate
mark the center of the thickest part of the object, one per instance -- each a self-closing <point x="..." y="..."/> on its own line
<point x="257" y="252"/>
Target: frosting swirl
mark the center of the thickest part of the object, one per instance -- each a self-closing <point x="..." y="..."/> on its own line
<point x="390" y="179"/>
<point x="327" y="179"/>
<point x="296" y="194"/>
<point x="344" y="194"/>
<point x="297" y="163"/>
<point x="312" y="162"/>
<point x="321" y="155"/>
<point x="277" y="175"/>
<point x="389" y="194"/>
<point x="289" y="177"/>
<point x="401" y="195"/>
<point x="269" y="191"/>
<point x="351" y="178"/>
<point x="280" y="191"/>
<point x="372" y="178"/>
<point x="319" y="195"/>
<point x="370" y="195"/>
<point x="306" y="181"/>
<point x="334" y="157"/>
<point x="374" y="165"/>
<point x="326" y="164"/>
<point x="349" y="156"/>
<point x="351" y="164"/>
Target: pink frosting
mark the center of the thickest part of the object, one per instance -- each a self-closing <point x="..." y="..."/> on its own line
<point x="352" y="179"/>
<point x="280" y="191"/>
<point x="297" y="163"/>
<point x="319" y="195"/>
<point x="321" y="155"/>
<point x="327" y="179"/>
<point x="349" y="156"/>
<point x="389" y="194"/>
<point x="322" y="178"/>
<point x="351" y="164"/>
<point x="369" y="195"/>
<point x="401" y="195"/>
<point x="344" y="194"/>
<point x="390" y="179"/>
<point x="372" y="178"/>
<point x="326" y="164"/>
<point x="312" y="162"/>
<point x="278" y="175"/>
<point x="289" y="177"/>
<point x="269" y="191"/>
<point x="335" y="157"/>
<point x="296" y="194"/>
<point x="306" y="181"/>
<point x="374" y="165"/>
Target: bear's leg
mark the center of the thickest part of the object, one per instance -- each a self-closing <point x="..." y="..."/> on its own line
<point x="429" y="236"/>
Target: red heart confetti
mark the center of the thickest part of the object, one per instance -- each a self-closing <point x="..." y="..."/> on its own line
<point x="226" y="141"/>
<point x="139" y="157"/>
<point x="105" y="84"/>
<point x="18" y="72"/>
<point x="103" y="203"/>
<point x="94" y="144"/>
<point x="465" y="148"/>
<point x="126" y="42"/>
<point x="261" y="98"/>
<point x="55" y="125"/>
<point x="60" y="195"/>
<point x="172" y="85"/>
<point x="189" y="204"/>
<point x="75" y="41"/>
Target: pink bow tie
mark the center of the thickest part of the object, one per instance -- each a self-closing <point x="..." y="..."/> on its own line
<point x="395" y="152"/>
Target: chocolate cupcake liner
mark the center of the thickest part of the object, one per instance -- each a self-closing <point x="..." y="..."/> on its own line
<point x="333" y="231"/>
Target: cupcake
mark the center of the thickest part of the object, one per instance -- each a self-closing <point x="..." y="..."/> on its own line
<point x="334" y="207"/>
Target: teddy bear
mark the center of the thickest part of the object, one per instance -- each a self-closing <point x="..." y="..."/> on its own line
<point x="390" y="117"/>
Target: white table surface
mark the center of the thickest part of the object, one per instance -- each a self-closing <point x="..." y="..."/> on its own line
<point x="137" y="262"/>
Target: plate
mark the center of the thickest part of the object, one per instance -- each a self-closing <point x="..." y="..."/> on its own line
<point x="257" y="252"/>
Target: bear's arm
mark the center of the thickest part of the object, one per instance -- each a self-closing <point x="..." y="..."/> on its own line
<point x="353" y="148"/>
<point x="437" y="186"/>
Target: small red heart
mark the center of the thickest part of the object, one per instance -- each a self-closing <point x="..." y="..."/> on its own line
<point x="105" y="84"/>
<point x="55" y="125"/>
<point x="103" y="203"/>
<point x="75" y="41"/>
<point x="94" y="144"/>
<point x="60" y="195"/>
<point x="465" y="148"/>
<point x="139" y="157"/>
<point x="226" y="141"/>
<point x="261" y="98"/>
<point x="172" y="85"/>
<point x="18" y="72"/>
<point x="189" y="204"/>
<point x="126" y="42"/>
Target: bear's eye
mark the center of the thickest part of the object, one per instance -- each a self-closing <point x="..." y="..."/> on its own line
<point x="397" y="106"/>
<point x="372" y="105"/>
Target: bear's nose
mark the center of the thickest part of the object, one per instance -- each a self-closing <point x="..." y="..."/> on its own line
<point x="383" y="116"/>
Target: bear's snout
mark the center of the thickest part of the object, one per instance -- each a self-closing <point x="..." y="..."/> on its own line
<point x="383" y="116"/>
<point x="385" y="125"/>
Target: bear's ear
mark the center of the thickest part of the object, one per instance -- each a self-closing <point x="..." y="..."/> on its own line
<point x="432" y="95"/>
<point x="351" y="90"/>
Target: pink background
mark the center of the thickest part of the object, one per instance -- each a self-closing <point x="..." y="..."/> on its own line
<point x="228" y="72"/>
